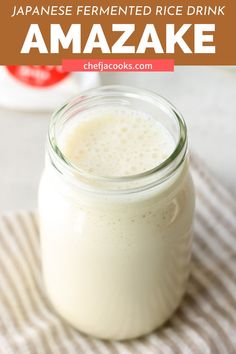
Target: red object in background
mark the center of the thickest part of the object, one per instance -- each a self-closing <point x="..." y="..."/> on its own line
<point x="38" y="75"/>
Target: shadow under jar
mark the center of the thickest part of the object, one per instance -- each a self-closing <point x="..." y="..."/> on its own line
<point x="116" y="249"/>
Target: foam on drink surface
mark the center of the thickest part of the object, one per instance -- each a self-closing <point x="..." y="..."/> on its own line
<point x="116" y="142"/>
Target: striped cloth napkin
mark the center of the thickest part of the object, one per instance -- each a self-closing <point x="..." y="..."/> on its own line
<point x="205" y="322"/>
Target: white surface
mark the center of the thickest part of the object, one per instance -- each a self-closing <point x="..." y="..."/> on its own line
<point x="43" y="99"/>
<point x="205" y="95"/>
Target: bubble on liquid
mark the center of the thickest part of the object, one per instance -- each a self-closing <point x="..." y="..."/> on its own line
<point x="121" y="142"/>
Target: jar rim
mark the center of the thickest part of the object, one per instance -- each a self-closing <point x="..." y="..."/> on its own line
<point x="162" y="171"/>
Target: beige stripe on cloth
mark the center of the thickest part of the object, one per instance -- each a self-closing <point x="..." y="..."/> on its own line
<point x="205" y="322"/>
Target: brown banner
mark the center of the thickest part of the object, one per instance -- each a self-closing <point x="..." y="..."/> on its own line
<point x="165" y="17"/>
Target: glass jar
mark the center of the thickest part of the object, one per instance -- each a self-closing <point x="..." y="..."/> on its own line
<point x="116" y="250"/>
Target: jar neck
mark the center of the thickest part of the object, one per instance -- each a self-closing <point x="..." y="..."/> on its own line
<point x="130" y="97"/>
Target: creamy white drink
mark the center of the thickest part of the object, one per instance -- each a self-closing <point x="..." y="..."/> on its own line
<point x="116" y="143"/>
<point x="115" y="260"/>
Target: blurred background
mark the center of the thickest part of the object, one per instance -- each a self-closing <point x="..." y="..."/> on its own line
<point x="206" y="96"/>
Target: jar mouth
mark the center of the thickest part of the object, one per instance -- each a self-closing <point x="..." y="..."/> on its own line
<point x="120" y="93"/>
